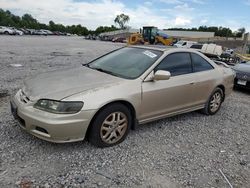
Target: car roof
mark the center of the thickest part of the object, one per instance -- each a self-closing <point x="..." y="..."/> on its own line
<point x="163" y="48"/>
<point x="153" y="47"/>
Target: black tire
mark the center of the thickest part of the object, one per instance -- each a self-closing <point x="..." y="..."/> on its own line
<point x="207" y="109"/>
<point x="94" y="134"/>
<point x="6" y="33"/>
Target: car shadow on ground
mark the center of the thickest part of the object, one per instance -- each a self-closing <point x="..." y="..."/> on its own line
<point x="146" y="128"/>
<point x="242" y="90"/>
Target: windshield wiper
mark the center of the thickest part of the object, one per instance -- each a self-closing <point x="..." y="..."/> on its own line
<point x="105" y="71"/>
<point x="85" y="65"/>
<point x="100" y="69"/>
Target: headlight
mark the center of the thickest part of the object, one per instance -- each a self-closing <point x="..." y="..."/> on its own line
<point x="59" y="107"/>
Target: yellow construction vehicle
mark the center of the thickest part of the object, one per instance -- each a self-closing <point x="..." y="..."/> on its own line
<point x="150" y="35"/>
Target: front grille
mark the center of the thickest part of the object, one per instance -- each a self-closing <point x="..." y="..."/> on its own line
<point x="23" y="97"/>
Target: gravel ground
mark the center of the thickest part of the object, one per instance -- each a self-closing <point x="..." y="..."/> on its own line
<point x="183" y="151"/>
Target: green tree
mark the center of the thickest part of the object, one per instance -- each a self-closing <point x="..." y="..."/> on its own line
<point x="240" y="32"/>
<point x="29" y="22"/>
<point x="121" y="20"/>
<point x="102" y="29"/>
<point x="6" y="18"/>
<point x="52" y="25"/>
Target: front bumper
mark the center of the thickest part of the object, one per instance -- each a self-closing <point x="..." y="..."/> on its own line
<point x="238" y="82"/>
<point x="242" y="79"/>
<point x="58" y="128"/>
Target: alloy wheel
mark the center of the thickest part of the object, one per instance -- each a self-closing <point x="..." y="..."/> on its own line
<point x="215" y="102"/>
<point x="114" y="127"/>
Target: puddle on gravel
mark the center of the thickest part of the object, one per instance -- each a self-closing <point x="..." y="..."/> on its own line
<point x="10" y="52"/>
<point x="59" y="54"/>
<point x="4" y="93"/>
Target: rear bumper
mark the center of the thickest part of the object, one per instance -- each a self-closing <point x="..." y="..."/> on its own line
<point x="58" y="128"/>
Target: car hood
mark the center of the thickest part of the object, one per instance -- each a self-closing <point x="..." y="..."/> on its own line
<point x="242" y="67"/>
<point x="58" y="85"/>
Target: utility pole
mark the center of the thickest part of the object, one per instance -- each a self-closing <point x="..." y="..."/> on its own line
<point x="245" y="41"/>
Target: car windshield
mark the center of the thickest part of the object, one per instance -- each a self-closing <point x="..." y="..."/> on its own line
<point x="127" y="62"/>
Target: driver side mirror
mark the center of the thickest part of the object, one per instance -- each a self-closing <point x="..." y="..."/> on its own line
<point x="162" y="75"/>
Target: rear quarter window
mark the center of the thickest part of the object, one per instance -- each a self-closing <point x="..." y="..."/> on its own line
<point x="200" y="64"/>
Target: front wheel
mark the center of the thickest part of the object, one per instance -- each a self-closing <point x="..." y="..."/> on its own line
<point x="214" y="103"/>
<point x="110" y="126"/>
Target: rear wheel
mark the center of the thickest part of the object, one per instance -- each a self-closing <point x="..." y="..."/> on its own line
<point x="214" y="103"/>
<point x="6" y="33"/>
<point x="110" y="126"/>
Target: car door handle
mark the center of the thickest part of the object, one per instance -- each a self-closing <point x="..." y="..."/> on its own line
<point x="192" y="83"/>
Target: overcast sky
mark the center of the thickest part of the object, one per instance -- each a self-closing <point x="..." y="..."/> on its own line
<point x="160" y="13"/>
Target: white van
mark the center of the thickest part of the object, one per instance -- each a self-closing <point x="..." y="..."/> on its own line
<point x="211" y="49"/>
<point x="184" y="44"/>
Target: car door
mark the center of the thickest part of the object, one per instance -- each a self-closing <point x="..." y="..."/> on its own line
<point x="206" y="77"/>
<point x="168" y="96"/>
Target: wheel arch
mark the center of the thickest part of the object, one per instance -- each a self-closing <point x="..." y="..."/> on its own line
<point x="222" y="87"/>
<point x="123" y="102"/>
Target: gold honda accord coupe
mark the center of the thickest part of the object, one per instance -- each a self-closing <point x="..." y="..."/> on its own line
<point x="102" y="100"/>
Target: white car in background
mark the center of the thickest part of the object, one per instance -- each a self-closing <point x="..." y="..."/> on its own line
<point x="184" y="44"/>
<point x="40" y="32"/>
<point x="16" y="31"/>
<point x="6" y="31"/>
<point x="48" y="32"/>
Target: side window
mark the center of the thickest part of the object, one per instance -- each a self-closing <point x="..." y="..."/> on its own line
<point x="176" y="64"/>
<point x="196" y="46"/>
<point x="185" y="43"/>
<point x="199" y="63"/>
